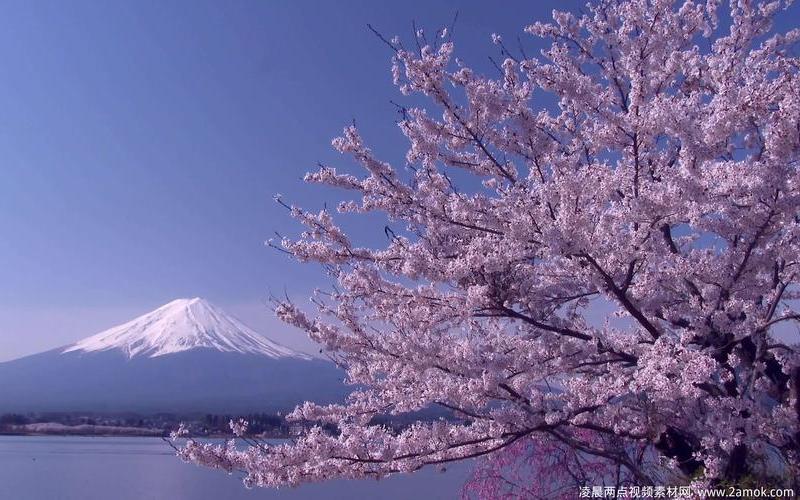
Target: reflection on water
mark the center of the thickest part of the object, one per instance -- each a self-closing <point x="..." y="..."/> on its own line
<point x="102" y="468"/>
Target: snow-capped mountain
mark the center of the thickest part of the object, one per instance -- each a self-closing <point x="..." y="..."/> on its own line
<point x="187" y="355"/>
<point x="182" y="325"/>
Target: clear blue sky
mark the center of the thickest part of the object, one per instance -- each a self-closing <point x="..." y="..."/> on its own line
<point x="141" y="144"/>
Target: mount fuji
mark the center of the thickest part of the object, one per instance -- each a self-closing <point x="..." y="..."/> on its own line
<point x="183" y="325"/>
<point x="186" y="356"/>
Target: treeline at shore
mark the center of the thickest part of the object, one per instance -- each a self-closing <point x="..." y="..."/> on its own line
<point x="130" y="424"/>
<point x="265" y="425"/>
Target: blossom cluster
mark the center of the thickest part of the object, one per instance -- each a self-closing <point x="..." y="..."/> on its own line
<point x="663" y="184"/>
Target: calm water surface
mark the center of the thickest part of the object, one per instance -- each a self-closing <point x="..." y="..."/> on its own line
<point x="105" y="468"/>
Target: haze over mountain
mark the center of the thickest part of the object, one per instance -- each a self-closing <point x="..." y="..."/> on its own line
<point x="187" y="355"/>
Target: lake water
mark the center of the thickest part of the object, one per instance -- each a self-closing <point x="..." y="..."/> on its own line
<point x="110" y="468"/>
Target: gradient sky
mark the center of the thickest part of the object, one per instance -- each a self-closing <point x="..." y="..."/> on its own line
<point x="141" y="144"/>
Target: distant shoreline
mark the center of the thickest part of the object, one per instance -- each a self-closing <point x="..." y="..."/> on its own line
<point x="86" y="430"/>
<point x="75" y="434"/>
<point x="58" y="429"/>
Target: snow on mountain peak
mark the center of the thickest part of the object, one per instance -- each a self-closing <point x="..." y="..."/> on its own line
<point x="181" y="325"/>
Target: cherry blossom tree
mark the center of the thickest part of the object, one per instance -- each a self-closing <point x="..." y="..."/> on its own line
<point x="647" y="161"/>
<point x="541" y="466"/>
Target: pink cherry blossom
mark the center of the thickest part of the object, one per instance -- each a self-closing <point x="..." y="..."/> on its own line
<point x="663" y="184"/>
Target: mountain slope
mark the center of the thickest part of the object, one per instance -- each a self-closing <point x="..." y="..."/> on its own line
<point x="182" y="325"/>
<point x="185" y="356"/>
